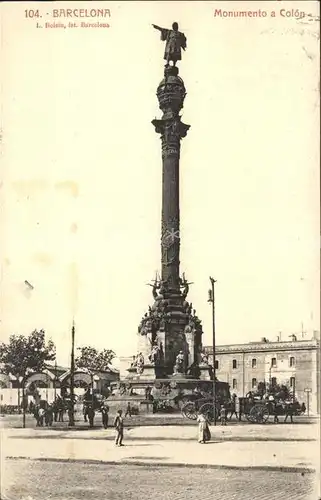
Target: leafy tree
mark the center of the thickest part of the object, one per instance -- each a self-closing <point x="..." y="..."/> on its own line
<point x="93" y="360"/>
<point x="24" y="354"/>
<point x="279" y="390"/>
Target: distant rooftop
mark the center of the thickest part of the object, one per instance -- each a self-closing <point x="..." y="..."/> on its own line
<point x="292" y="341"/>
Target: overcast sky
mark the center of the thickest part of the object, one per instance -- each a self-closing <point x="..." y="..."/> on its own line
<point x="81" y="191"/>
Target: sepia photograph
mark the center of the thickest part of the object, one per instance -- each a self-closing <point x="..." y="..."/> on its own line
<point x="160" y="250"/>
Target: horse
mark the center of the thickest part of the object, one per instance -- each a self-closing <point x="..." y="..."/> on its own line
<point x="283" y="408"/>
<point x="49" y="416"/>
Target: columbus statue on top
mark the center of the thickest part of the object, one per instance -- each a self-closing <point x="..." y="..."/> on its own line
<point x="175" y="41"/>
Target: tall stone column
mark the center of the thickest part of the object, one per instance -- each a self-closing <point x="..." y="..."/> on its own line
<point x="171" y="93"/>
<point x="170" y="331"/>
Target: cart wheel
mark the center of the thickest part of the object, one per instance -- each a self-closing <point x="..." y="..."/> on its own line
<point x="189" y="411"/>
<point x="264" y="414"/>
<point x="209" y="411"/>
<point x="259" y="414"/>
<point x="253" y="416"/>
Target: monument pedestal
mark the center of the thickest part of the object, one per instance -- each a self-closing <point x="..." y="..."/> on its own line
<point x="205" y="372"/>
<point x="149" y="372"/>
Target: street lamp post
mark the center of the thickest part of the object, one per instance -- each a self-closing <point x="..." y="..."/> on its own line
<point x="22" y="384"/>
<point x="308" y="391"/>
<point x="55" y="384"/>
<point x="72" y="377"/>
<point x="211" y="299"/>
<point x="293" y="390"/>
<point x="92" y="389"/>
<point x="19" y="395"/>
<point x="47" y="388"/>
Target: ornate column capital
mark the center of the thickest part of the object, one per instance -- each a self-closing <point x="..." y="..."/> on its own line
<point x="171" y="131"/>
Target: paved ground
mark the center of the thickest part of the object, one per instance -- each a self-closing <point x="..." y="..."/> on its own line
<point x="241" y="462"/>
<point x="291" y="446"/>
<point x="26" y="480"/>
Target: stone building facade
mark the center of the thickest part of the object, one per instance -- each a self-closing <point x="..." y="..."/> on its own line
<point x="295" y="363"/>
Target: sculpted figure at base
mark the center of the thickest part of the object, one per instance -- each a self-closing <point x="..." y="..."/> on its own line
<point x="204" y="358"/>
<point x="154" y="356"/>
<point x="140" y="363"/>
<point x="175" y="41"/>
<point x="194" y="370"/>
<point x="179" y="363"/>
<point x="148" y="393"/>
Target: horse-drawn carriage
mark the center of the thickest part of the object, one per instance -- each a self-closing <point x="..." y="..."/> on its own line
<point x="255" y="409"/>
<point x="201" y="401"/>
<point x="203" y="405"/>
<point x="258" y="411"/>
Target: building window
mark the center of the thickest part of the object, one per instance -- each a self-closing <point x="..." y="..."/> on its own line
<point x="292" y="361"/>
<point x="234" y="363"/>
<point x="217" y="364"/>
<point x="273" y="362"/>
<point x="254" y="383"/>
<point x="292" y="382"/>
<point x="253" y="363"/>
<point x="234" y="383"/>
<point x="273" y="381"/>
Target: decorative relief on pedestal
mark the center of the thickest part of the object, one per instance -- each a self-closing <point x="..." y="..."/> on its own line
<point x="122" y="389"/>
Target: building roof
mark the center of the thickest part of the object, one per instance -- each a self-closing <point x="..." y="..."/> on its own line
<point x="265" y="345"/>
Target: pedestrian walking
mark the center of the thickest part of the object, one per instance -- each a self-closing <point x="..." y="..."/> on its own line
<point x="49" y="416"/>
<point x="234" y="407"/>
<point x="41" y="415"/>
<point x="203" y="429"/>
<point x="61" y="411"/>
<point x="85" y="412"/>
<point x="91" y="416"/>
<point x="104" y="415"/>
<point x="119" y="427"/>
<point x="128" y="410"/>
<point x="223" y="415"/>
<point x="70" y="414"/>
<point x="289" y="410"/>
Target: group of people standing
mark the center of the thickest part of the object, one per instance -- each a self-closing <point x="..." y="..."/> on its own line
<point x="46" y="414"/>
<point x="90" y="413"/>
